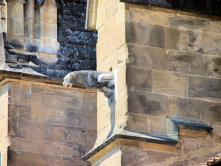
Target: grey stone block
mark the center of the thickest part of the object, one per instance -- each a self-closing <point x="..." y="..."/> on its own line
<point x="172" y="37"/>
<point x="156" y="36"/>
<point x="204" y="87"/>
<point x="147" y="103"/>
<point x="139" y="79"/>
<point x="137" y="32"/>
<point x="186" y="62"/>
<point x="145" y="34"/>
<point x="169" y="83"/>
<point x="191" y="40"/>
<point x="188" y="22"/>
<point x="211" y="43"/>
<point x="194" y="110"/>
<point x="148" y="57"/>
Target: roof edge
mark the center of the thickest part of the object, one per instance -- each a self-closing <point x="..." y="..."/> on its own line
<point x="207" y="7"/>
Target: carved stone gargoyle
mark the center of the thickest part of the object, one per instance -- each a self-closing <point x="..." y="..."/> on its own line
<point x="103" y="81"/>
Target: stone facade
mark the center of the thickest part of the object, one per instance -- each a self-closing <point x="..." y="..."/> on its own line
<point x="166" y="105"/>
<point x="165" y="109"/>
<point x="174" y="67"/>
<point x="47" y="125"/>
<point x="4" y="139"/>
<point x="41" y="122"/>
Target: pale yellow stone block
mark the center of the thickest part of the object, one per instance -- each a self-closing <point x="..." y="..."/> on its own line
<point x="104" y="123"/>
<point x="4" y="142"/>
<point x="4" y="111"/>
<point x="111" y="158"/>
<point x="4" y="152"/>
<point x="49" y="16"/>
<point x="91" y="16"/>
<point x="48" y="4"/>
<point x="111" y="35"/>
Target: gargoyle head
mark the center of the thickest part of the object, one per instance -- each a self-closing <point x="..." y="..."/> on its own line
<point x="69" y="79"/>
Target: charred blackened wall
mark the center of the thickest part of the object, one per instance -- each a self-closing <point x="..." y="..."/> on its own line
<point x="77" y="45"/>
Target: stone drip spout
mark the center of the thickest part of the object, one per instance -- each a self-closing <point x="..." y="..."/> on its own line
<point x="102" y="81"/>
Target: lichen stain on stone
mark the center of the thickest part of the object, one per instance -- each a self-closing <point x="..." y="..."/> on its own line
<point x="148" y="105"/>
<point x="184" y="58"/>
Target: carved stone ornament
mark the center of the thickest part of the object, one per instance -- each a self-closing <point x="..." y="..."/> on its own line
<point x="103" y="81"/>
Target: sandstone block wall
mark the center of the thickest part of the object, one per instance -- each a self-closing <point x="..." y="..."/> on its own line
<point x="50" y="125"/>
<point x="173" y="71"/>
<point x="173" y="68"/>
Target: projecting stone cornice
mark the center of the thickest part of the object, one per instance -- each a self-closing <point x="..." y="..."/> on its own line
<point x="210" y="7"/>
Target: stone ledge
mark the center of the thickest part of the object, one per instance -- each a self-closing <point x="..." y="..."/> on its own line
<point x="191" y="125"/>
<point x="173" y="126"/>
<point x="14" y="76"/>
<point x="129" y="135"/>
<point x="210" y="7"/>
<point x="171" y="139"/>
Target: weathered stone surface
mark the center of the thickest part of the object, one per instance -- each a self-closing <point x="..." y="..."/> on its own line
<point x="158" y="125"/>
<point x="211" y="43"/>
<point x="145" y="34"/>
<point x="187" y="62"/>
<point x="194" y="110"/>
<point x="33" y="130"/>
<point x="172" y="37"/>
<point x="147" y="57"/>
<point x="156" y="36"/>
<point x="185" y="109"/>
<point x="142" y="79"/>
<point x="49" y="121"/>
<point x="135" y="156"/>
<point x="212" y="66"/>
<point x="191" y="40"/>
<point x="204" y="87"/>
<point x="139" y="14"/>
<point x="40" y="160"/>
<point x="147" y="103"/>
<point x="133" y="32"/>
<point x="172" y="51"/>
<point x="169" y="83"/>
<point x="138" y="123"/>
